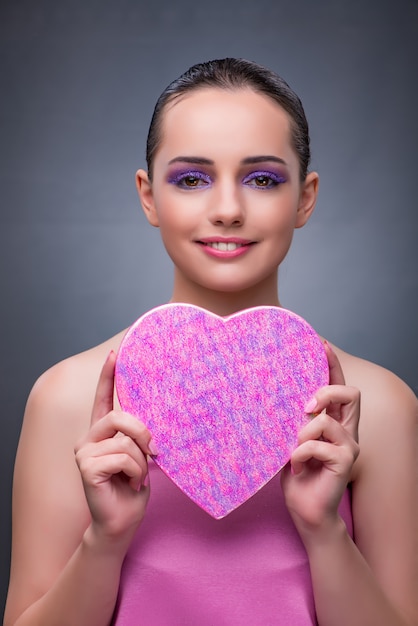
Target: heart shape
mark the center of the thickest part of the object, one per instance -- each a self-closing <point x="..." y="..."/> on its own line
<point x="223" y="397"/>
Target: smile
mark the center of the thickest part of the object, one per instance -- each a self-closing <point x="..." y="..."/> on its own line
<point x="224" y="245"/>
<point x="225" y="248"/>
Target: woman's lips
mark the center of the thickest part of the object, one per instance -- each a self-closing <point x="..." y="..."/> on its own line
<point x="225" y="248"/>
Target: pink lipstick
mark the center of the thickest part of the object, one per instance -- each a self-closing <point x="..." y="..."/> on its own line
<point x="225" y="247"/>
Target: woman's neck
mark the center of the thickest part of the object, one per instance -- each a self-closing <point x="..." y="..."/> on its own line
<point x="226" y="303"/>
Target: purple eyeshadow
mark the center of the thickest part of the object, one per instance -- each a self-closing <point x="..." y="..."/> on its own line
<point x="179" y="177"/>
<point x="175" y="178"/>
<point x="274" y="176"/>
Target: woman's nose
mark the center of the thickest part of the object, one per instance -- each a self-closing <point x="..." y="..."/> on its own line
<point x="227" y="207"/>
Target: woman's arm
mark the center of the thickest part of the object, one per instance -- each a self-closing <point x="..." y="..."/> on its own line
<point x="374" y="580"/>
<point x="67" y="554"/>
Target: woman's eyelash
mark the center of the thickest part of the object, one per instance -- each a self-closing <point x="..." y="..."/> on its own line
<point x="264" y="180"/>
<point x="189" y="179"/>
<point x="193" y="179"/>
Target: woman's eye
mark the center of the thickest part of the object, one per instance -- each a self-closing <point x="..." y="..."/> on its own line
<point x="190" y="180"/>
<point x="263" y="180"/>
<point x="193" y="181"/>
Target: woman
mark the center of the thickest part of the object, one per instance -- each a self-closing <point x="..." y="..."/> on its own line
<point x="227" y="184"/>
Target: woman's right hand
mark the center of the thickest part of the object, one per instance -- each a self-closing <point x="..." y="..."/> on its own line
<point x="112" y="459"/>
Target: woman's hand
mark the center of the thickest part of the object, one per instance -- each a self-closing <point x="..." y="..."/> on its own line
<point x="113" y="464"/>
<point x="321" y="466"/>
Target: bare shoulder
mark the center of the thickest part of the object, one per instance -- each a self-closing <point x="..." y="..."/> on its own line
<point x="389" y="412"/>
<point x="57" y="415"/>
<point x="66" y="390"/>
<point x="383" y="394"/>
<point x="385" y="473"/>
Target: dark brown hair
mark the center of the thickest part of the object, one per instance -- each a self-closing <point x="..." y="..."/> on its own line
<point x="232" y="74"/>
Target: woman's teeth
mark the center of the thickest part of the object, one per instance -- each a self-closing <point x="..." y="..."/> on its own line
<point x="222" y="245"/>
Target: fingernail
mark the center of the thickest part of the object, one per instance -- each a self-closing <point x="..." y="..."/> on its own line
<point x="144" y="483"/>
<point x="296" y="470"/>
<point x="328" y="346"/>
<point x="311" y="405"/>
<point x="152" y="448"/>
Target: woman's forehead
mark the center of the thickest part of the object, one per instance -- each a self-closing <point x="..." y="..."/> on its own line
<point x="230" y="100"/>
<point x="213" y="117"/>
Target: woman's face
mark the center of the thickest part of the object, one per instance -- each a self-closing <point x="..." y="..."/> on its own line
<point x="226" y="191"/>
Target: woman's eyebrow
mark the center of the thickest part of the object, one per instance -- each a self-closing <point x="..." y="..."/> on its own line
<point x="251" y="160"/>
<point x="262" y="159"/>
<point x="191" y="159"/>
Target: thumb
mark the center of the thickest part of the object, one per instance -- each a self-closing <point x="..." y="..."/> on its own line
<point x="336" y="376"/>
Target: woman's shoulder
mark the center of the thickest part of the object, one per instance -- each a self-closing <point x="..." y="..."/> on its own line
<point x="389" y="407"/>
<point x="81" y="367"/>
<point x="387" y="426"/>
<point x="66" y="390"/>
<point x="375" y="382"/>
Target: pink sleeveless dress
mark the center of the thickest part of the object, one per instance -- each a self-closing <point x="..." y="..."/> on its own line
<point x="184" y="568"/>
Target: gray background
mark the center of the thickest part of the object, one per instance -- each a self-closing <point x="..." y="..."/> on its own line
<point x="78" y="262"/>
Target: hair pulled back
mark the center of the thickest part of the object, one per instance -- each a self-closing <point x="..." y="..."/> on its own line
<point x="234" y="74"/>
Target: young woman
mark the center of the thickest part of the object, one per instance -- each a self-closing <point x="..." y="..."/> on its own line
<point x="105" y="537"/>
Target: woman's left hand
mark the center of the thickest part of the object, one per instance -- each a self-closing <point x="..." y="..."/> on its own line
<point x="320" y="468"/>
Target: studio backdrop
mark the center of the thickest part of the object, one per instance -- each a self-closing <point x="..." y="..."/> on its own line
<point x="79" y="262"/>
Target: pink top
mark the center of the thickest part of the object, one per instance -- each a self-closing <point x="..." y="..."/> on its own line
<point x="185" y="568"/>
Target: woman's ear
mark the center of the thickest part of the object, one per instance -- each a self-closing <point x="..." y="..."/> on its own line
<point x="307" y="199"/>
<point x="146" y="196"/>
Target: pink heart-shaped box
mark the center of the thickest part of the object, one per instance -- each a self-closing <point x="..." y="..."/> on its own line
<point x="223" y="397"/>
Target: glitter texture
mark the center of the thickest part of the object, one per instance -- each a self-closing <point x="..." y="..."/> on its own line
<point x="223" y="397"/>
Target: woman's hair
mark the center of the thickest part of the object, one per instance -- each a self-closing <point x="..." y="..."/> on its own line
<point x="235" y="74"/>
